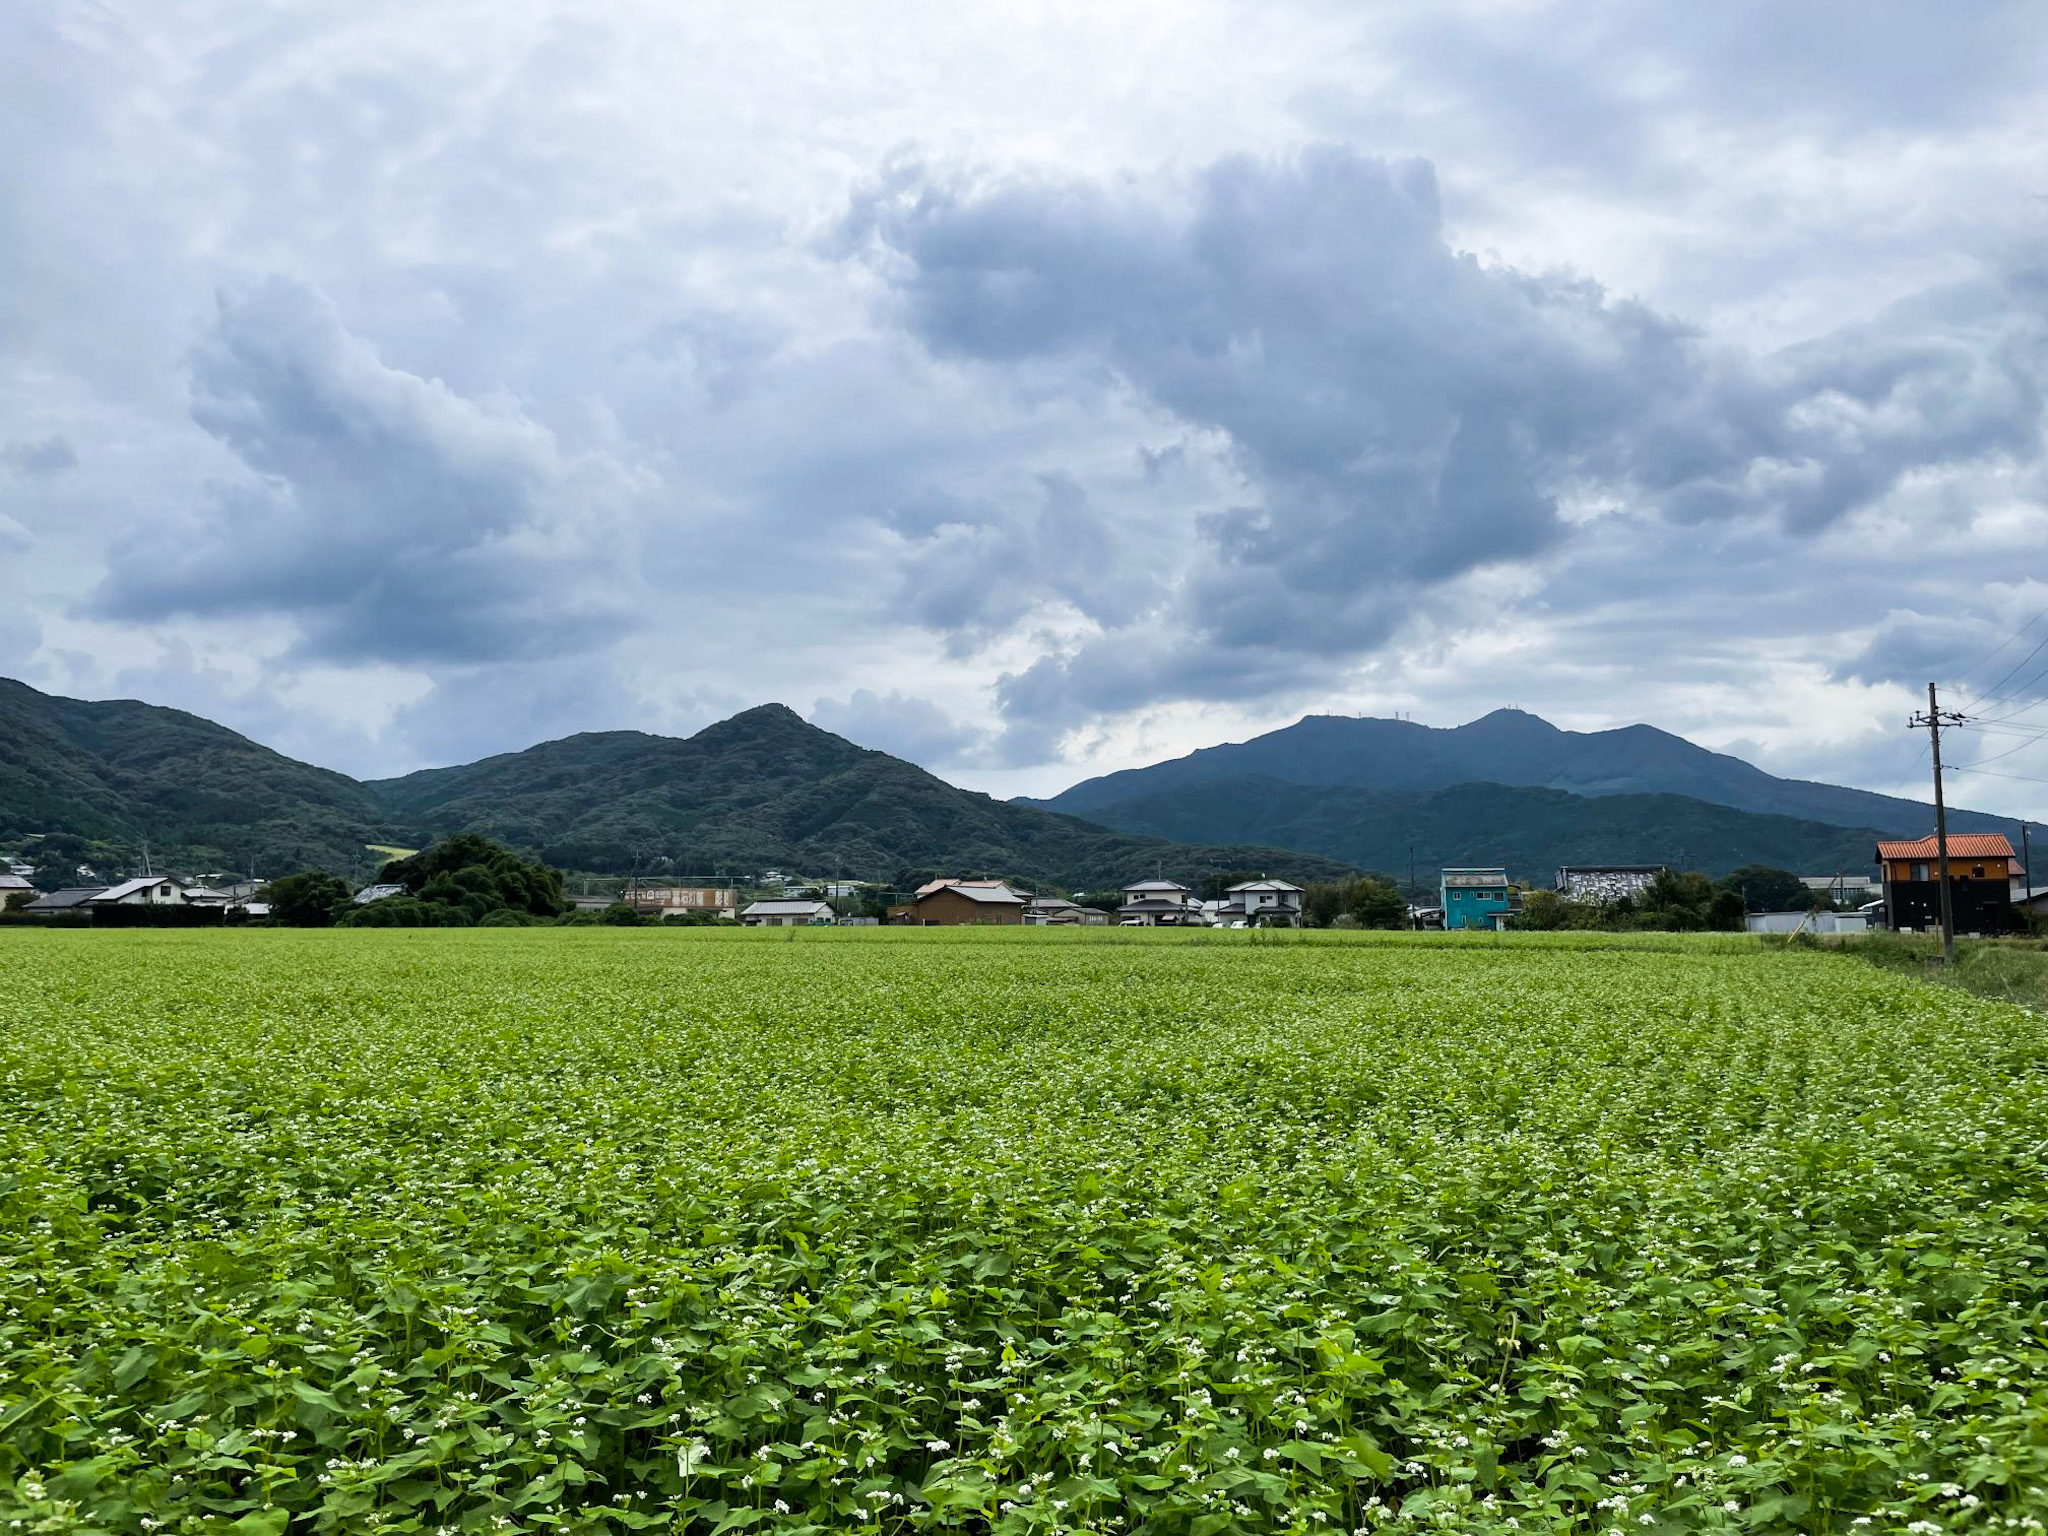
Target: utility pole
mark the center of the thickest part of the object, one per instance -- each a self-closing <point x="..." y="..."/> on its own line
<point x="1934" y="720"/>
<point x="2026" y="863"/>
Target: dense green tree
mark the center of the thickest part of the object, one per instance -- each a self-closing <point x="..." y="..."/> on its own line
<point x="1367" y="902"/>
<point x="1725" y="913"/>
<point x="1322" y="904"/>
<point x="1548" y="912"/>
<point x="408" y="912"/>
<point x="1764" y="889"/>
<point x="55" y="872"/>
<point x="310" y="899"/>
<point x="1376" y="904"/>
<point x="1689" y="902"/>
<point x="478" y="876"/>
<point x="1686" y="902"/>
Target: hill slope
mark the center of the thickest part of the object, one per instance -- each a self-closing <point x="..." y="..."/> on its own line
<point x="765" y="788"/>
<point x="762" y="788"/>
<point x="1531" y="831"/>
<point x="120" y="772"/>
<point x="1510" y="747"/>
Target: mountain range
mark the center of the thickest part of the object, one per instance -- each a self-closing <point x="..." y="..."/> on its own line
<point x="761" y="789"/>
<point x="766" y="789"/>
<point x="1508" y="788"/>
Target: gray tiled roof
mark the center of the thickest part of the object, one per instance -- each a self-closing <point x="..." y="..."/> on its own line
<point x="1475" y="877"/>
<point x="999" y="895"/>
<point x="65" y="900"/>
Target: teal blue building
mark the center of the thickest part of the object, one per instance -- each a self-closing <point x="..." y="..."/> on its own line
<point x="1471" y="897"/>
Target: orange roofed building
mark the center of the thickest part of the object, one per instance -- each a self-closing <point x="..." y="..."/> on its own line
<point x="1982" y="869"/>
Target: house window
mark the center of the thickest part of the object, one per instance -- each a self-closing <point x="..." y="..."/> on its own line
<point x="1977" y="871"/>
<point x="1919" y="872"/>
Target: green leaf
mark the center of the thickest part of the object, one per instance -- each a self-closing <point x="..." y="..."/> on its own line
<point x="133" y="1366"/>
<point x="315" y="1397"/>
<point x="1305" y="1453"/>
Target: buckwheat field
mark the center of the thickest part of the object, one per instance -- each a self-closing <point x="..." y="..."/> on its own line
<point x="595" y="1230"/>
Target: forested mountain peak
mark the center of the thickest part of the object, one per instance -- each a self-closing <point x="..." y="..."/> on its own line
<point x="761" y="788"/>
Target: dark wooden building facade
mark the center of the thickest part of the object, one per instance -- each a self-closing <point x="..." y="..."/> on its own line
<point x="1982" y="869"/>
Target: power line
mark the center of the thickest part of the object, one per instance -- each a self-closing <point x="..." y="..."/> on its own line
<point x="2023" y="732"/>
<point x="1986" y="697"/>
<point x="1912" y="773"/>
<point x="2008" y="752"/>
<point x="2032" y="704"/>
<point x="2017" y="778"/>
<point x="2008" y="640"/>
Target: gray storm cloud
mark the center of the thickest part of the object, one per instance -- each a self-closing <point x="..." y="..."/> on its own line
<point x="438" y="388"/>
<point x="40" y="458"/>
<point x="385" y="515"/>
<point x="1403" y="415"/>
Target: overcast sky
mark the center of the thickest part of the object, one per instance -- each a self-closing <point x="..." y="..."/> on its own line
<point x="1028" y="389"/>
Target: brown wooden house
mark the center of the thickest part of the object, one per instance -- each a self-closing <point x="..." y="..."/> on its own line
<point x="967" y="903"/>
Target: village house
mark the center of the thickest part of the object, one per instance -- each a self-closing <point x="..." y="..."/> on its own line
<point x="1058" y="912"/>
<point x="1983" y="871"/>
<point x="966" y="903"/>
<point x="1260" y="904"/>
<point x="660" y="901"/>
<point x="797" y="913"/>
<point x="1473" y="898"/>
<point x="370" y="893"/>
<point x="1160" y="904"/>
<point x="147" y="891"/>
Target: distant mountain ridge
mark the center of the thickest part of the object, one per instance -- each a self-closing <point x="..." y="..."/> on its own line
<point x="1532" y="832"/>
<point x="1513" y="748"/>
<point x="767" y="788"/>
<point x="761" y="789"/>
